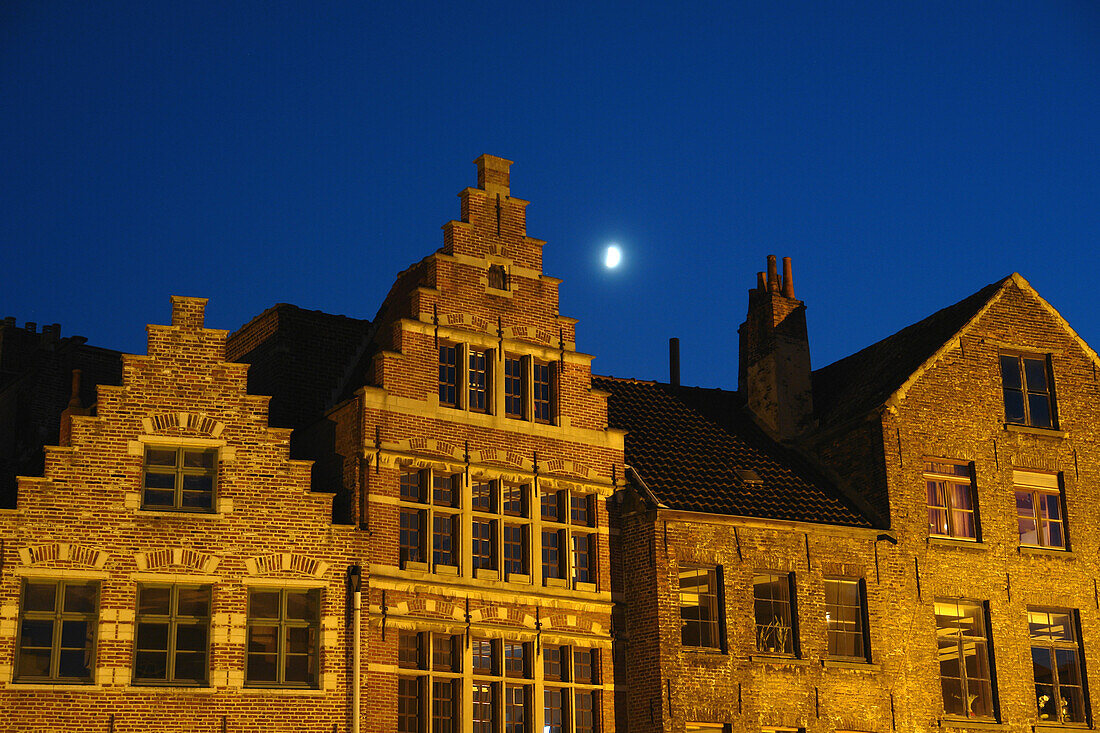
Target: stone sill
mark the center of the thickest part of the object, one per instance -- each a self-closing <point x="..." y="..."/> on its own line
<point x="778" y="660"/>
<point x="980" y="723"/>
<point x="178" y="515"/>
<point x="173" y="689"/>
<point x="850" y="664"/>
<point x="956" y="542"/>
<point x="486" y="574"/>
<point x="289" y="691"/>
<point x="1028" y="430"/>
<point x="1059" y="727"/>
<point x="1044" y="551"/>
<point x="416" y="565"/>
<point x="445" y="570"/>
<point x="555" y="582"/>
<point x="53" y="687"/>
<point x="700" y="654"/>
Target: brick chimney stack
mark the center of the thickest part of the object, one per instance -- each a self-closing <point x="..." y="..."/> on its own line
<point x="774" y="358"/>
<point x="492" y="174"/>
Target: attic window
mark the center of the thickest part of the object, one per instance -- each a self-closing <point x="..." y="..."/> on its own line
<point x="498" y="278"/>
<point x="749" y="476"/>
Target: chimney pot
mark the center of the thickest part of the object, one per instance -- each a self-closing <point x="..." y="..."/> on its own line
<point x="773" y="275"/>
<point x="674" y="362"/>
<point x="761" y="283"/>
<point x="31" y="327"/>
<point x="788" y="279"/>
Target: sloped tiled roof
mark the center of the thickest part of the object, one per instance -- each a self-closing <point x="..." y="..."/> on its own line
<point x="857" y="384"/>
<point x="689" y="444"/>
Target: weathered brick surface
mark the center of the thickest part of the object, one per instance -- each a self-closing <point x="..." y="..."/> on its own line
<point x="89" y="497"/>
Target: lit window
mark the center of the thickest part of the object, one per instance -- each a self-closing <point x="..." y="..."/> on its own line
<point x="514" y="395"/>
<point x="774" y="612"/>
<point x="1056" y="662"/>
<point x="966" y="678"/>
<point x="448" y="375"/>
<point x="283" y="632"/>
<point x="57" y="629"/>
<point x="484" y="707"/>
<point x="441" y="679"/>
<point x="429" y="508"/>
<point x="542" y="391"/>
<point x="180" y="479"/>
<point x="1029" y="399"/>
<point x="508" y="549"/>
<point x="950" y="498"/>
<point x="700" y="607"/>
<point x="515" y="708"/>
<point x="1039" y="515"/>
<point x="845" y="612"/>
<point x="172" y="639"/>
<point x="478" y="377"/>
<point x="569" y="551"/>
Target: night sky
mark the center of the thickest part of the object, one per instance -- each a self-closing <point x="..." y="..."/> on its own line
<point x="904" y="154"/>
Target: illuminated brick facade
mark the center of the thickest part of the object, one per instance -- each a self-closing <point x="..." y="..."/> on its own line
<point x="893" y="542"/>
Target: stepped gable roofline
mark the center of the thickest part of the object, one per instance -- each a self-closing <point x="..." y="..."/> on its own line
<point x="881" y="374"/>
<point x="700" y="450"/>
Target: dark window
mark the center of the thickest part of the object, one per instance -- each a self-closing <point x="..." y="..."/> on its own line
<point x="700" y="609"/>
<point x="950" y="498"/>
<point x="412" y="486"/>
<point x="515" y="709"/>
<point x="482" y="497"/>
<point x="515" y="549"/>
<point x="498" y="277"/>
<point x="774" y="613"/>
<point x="1056" y="662"/>
<point x="444" y="710"/>
<point x="551" y="506"/>
<point x="180" y="479"/>
<point x="1039" y="509"/>
<point x="484" y="657"/>
<point x="172" y="640"/>
<point x="1029" y="399"/>
<point x="585" y="702"/>
<point x="448" y="375"/>
<point x="482" y="538"/>
<point x="542" y="391"/>
<point x="966" y="677"/>
<point x="57" y="630"/>
<point x="514" y="500"/>
<point x="553" y="662"/>
<point x="551" y="554"/>
<point x="478" y="376"/>
<point x="443" y="539"/>
<point x="554" y="710"/>
<point x="582" y="558"/>
<point x="585" y="664"/>
<point x="283" y="631"/>
<point x="580" y="509"/>
<point x="515" y="659"/>
<point x="412" y="535"/>
<point x="845" y="611"/>
<point x="513" y="387"/>
<point x="409" y="654"/>
<point x="446" y="488"/>
<point x="445" y="657"/>
<point x="484" y="708"/>
<point x="408" y="705"/>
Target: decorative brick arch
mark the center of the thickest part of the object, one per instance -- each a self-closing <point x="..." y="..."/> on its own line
<point x="63" y="552"/>
<point x="286" y="562"/>
<point x="196" y="421"/>
<point x="181" y="557"/>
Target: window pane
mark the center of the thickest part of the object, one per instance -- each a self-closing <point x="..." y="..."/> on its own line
<point x="515" y="549"/>
<point x="584" y="666"/>
<point x="1035" y="372"/>
<point x="34" y="663"/>
<point x="39" y="596"/>
<point x="263" y="604"/>
<point x="1038" y="406"/>
<point x="551" y="506"/>
<point x="193" y="601"/>
<point x="299" y="640"/>
<point x="1010" y="372"/>
<point x="160" y="457"/>
<point x="444" y="658"/>
<point x="152" y="665"/>
<point x="513" y="500"/>
<point x="191" y="637"/>
<point x="482" y="496"/>
<point x="408" y="705"/>
<point x="74" y="664"/>
<point x="515" y="659"/>
<point x="36" y="634"/>
<point x="579" y="512"/>
<point x="484" y="656"/>
<point x="154" y="601"/>
<point x="443" y="539"/>
<point x="1014" y="406"/>
<point x="302" y="605"/>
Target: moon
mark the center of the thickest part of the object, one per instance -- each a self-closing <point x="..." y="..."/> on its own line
<point x="613" y="257"/>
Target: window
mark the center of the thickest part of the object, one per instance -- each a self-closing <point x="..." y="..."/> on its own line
<point x="700" y="607"/>
<point x="950" y="500"/>
<point x="542" y="391"/>
<point x="481" y="535"/>
<point x="429" y="502"/>
<point x="478" y="376"/>
<point x="966" y="677"/>
<point x="498" y="277"/>
<point x="505" y="528"/>
<point x="845" y="619"/>
<point x="1029" y="399"/>
<point x="172" y="641"/>
<point x="448" y="375"/>
<point x="180" y="479"/>
<point x="569" y="549"/>
<point x="283" y="631"/>
<point x="57" y="631"/>
<point x="514" y="394"/>
<point x="430" y="664"/>
<point x="513" y="678"/>
<point x="1039" y="515"/>
<point x="571" y="694"/>
<point x="773" y="606"/>
<point x="1056" y="661"/>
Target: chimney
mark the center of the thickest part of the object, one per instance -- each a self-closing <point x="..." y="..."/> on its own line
<point x="774" y="359"/>
<point x="74" y="408"/>
<point x="674" y="362"/>
<point x="492" y="174"/>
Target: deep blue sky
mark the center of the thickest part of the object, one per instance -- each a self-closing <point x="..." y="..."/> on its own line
<point x="904" y="154"/>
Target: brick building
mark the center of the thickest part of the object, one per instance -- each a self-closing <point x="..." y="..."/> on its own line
<point x="903" y="540"/>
